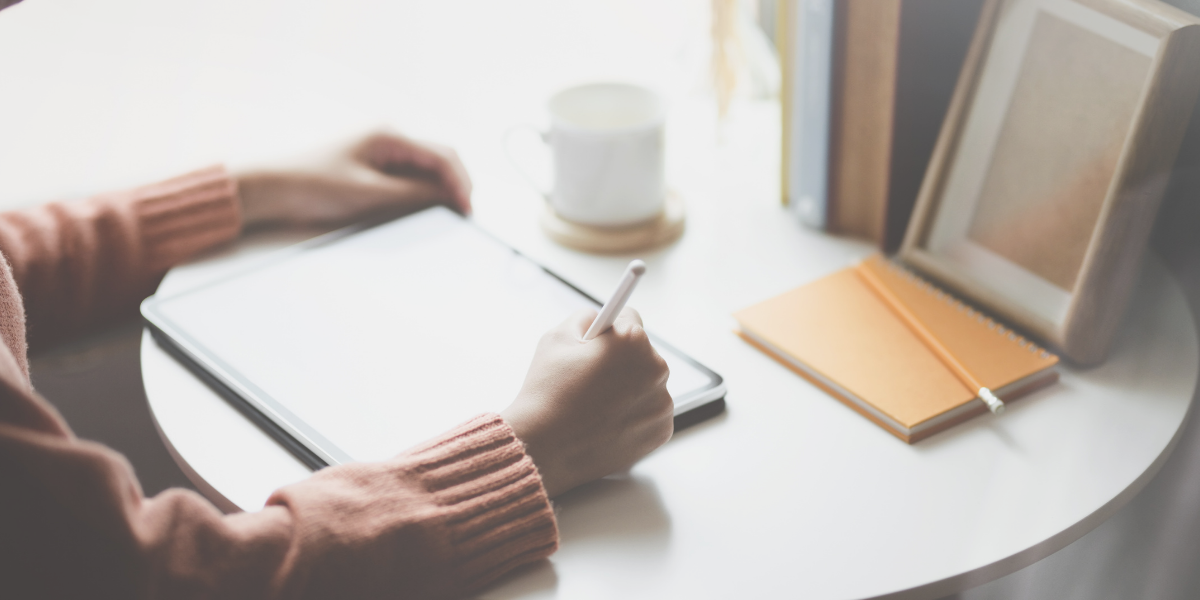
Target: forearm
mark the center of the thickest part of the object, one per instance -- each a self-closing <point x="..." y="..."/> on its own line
<point x="446" y="517"/>
<point x="78" y="263"/>
<point x="439" y="520"/>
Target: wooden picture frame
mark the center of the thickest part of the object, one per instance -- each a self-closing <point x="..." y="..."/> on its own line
<point x="1049" y="168"/>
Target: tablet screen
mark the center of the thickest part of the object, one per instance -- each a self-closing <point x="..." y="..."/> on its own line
<point x="368" y="344"/>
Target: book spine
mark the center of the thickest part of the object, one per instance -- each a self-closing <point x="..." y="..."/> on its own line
<point x="808" y="77"/>
<point x="785" y="38"/>
<point x="866" y="41"/>
<point x="857" y="134"/>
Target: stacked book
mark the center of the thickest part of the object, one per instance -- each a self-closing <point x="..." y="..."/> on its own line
<point x="866" y="86"/>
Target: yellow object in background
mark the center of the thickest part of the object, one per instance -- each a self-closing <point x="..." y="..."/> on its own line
<point x="841" y="335"/>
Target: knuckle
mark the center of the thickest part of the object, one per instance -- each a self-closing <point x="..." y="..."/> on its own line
<point x="638" y="333"/>
<point x="661" y="368"/>
<point x="382" y="137"/>
<point x="667" y="405"/>
<point x="666" y="430"/>
<point x="636" y="336"/>
<point x="444" y="154"/>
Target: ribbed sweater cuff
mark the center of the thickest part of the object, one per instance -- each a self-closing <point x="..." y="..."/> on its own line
<point x="498" y="514"/>
<point x="184" y="215"/>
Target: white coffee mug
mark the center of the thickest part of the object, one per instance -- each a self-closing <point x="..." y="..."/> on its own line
<point x="606" y="140"/>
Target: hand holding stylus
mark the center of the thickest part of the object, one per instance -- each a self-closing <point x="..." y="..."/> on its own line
<point x="590" y="408"/>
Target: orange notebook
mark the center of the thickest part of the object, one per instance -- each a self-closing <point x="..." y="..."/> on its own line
<point x="837" y="333"/>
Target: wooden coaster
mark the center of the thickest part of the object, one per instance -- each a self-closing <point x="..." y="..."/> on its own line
<point x="660" y="230"/>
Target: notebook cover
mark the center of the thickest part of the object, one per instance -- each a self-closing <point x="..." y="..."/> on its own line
<point x="839" y="328"/>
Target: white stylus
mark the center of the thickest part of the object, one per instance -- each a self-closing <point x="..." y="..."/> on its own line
<point x="613" y="307"/>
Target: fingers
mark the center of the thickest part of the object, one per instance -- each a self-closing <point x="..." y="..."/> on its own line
<point x="627" y="320"/>
<point x="357" y="191"/>
<point x="629" y="326"/>
<point x="404" y="157"/>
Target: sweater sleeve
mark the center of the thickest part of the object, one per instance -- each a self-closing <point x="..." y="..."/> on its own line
<point x="77" y="264"/>
<point x="438" y="521"/>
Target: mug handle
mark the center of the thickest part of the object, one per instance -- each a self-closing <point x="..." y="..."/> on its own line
<point x="507" y="143"/>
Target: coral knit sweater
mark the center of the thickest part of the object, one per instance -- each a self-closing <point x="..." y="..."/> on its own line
<point x="439" y="520"/>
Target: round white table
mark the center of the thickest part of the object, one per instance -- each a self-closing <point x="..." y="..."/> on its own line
<point x="788" y="493"/>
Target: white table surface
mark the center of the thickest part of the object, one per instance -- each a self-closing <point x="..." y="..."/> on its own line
<point x="787" y="494"/>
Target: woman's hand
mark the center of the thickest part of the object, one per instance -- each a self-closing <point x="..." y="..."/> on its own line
<point x="588" y="409"/>
<point x="382" y="173"/>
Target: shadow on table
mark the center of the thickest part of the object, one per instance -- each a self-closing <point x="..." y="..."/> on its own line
<point x="618" y="509"/>
<point x="1122" y="371"/>
<point x="995" y="427"/>
<point x="1150" y="548"/>
<point x="617" y="519"/>
<point x="700" y="419"/>
<point x="533" y="580"/>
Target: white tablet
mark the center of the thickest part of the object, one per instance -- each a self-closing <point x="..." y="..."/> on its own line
<point x="357" y="345"/>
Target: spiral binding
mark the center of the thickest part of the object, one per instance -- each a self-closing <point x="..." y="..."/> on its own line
<point x="972" y="313"/>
